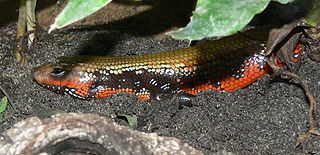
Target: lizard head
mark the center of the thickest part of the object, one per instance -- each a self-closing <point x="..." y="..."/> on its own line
<point x="63" y="79"/>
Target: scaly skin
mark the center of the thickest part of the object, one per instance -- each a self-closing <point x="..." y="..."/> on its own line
<point x="225" y="65"/>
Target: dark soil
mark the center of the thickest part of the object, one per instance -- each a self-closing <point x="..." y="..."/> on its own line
<point x="260" y="119"/>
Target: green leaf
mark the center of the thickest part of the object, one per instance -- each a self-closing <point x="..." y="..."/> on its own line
<point x="283" y="1"/>
<point x="313" y="16"/>
<point x="132" y="120"/>
<point x="219" y="18"/>
<point x="76" y="10"/>
<point x="3" y="104"/>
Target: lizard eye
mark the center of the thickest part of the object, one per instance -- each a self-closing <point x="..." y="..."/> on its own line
<point x="58" y="71"/>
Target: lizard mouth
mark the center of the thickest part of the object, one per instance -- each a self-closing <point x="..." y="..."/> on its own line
<point x="62" y="90"/>
<point x="54" y="88"/>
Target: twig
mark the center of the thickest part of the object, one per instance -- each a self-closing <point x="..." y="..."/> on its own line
<point x="303" y="139"/>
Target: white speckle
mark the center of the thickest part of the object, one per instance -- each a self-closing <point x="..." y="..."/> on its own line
<point x="100" y="88"/>
<point x="139" y="72"/>
<point x="85" y="77"/>
<point x="153" y="82"/>
<point x="165" y="86"/>
<point x="158" y="98"/>
<point x="137" y="83"/>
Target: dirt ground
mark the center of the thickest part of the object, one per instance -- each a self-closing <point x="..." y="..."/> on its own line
<point x="260" y="119"/>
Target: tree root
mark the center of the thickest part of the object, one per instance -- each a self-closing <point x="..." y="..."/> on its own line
<point x="303" y="139"/>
